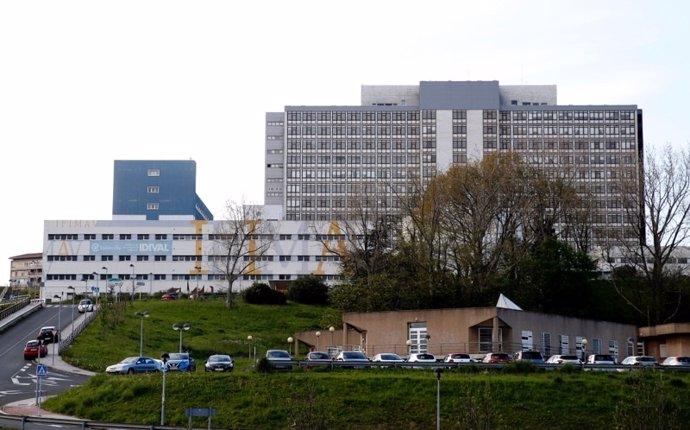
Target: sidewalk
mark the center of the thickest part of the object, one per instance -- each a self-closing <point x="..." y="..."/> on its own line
<point x="28" y="407"/>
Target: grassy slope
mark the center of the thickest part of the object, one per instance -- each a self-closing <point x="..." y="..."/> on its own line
<point x="359" y="399"/>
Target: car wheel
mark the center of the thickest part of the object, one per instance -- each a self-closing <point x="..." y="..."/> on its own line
<point x="130" y="371"/>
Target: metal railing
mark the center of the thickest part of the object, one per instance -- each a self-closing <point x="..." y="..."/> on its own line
<point x="65" y="341"/>
<point x="81" y="424"/>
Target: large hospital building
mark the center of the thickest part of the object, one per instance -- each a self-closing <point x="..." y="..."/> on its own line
<point x="323" y="163"/>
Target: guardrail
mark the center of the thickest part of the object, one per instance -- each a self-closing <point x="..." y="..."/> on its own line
<point x="66" y="341"/>
<point x="444" y="365"/>
<point x="82" y="424"/>
<point x="14" y="307"/>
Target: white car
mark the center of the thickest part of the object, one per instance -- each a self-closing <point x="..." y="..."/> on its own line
<point x="458" y="358"/>
<point x="421" y="357"/>
<point x="387" y="357"/>
<point x="85" y="305"/>
<point x="279" y="358"/>
<point x="564" y="359"/>
<point x="676" y="361"/>
<point x="639" y="360"/>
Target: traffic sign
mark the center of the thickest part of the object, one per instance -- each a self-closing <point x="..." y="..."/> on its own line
<point x="94" y="290"/>
<point x="41" y="371"/>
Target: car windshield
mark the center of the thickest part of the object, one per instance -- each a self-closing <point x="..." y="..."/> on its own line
<point x="278" y="354"/>
<point x="130" y="360"/>
<point x="425" y="357"/>
<point x="353" y="355"/>
<point x="390" y="357"/>
<point x="683" y="359"/>
<point x="178" y="356"/>
<point x="319" y="356"/>
<point x="459" y="356"/>
<point x="603" y="358"/>
<point x="532" y="355"/>
<point x="218" y="358"/>
<point x="568" y="357"/>
<point x="85" y="302"/>
<point x="32" y="343"/>
<point x="647" y="359"/>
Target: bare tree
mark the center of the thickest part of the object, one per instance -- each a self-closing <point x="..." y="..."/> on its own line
<point x="240" y="241"/>
<point x="658" y="218"/>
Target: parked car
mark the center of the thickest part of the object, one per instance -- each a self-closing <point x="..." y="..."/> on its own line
<point x="169" y="296"/>
<point x="639" y="360"/>
<point x="353" y="357"/>
<point x="180" y="362"/>
<point x="33" y="349"/>
<point x="137" y="364"/>
<point x="530" y="356"/>
<point x="387" y="357"/>
<point x="600" y="359"/>
<point x="564" y="359"/>
<point x="421" y="357"/>
<point x="279" y="358"/>
<point x="676" y="361"/>
<point x="85" y="305"/>
<point x="219" y="363"/>
<point x="458" y="358"/>
<point x="48" y="334"/>
<point x="497" y="358"/>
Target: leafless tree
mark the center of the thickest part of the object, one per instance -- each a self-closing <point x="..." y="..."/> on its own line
<point x="658" y="218"/>
<point x="240" y="242"/>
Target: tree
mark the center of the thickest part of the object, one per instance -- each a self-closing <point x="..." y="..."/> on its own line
<point x="658" y="221"/>
<point x="240" y="242"/>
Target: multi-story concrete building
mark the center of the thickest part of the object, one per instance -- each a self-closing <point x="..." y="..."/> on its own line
<point x="26" y="270"/>
<point x="327" y="162"/>
<point x="156" y="189"/>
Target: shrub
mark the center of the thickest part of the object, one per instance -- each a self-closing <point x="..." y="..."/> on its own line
<point x="264" y="366"/>
<point x="262" y="294"/>
<point x="520" y="367"/>
<point x="309" y="290"/>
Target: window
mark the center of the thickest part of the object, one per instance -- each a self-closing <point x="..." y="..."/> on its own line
<point x="159" y="258"/>
<point x="142" y="258"/>
<point x="125" y="237"/>
<point x="302" y="258"/>
<point x="154" y="172"/>
<point x="106" y="236"/>
<point x="106" y="258"/>
<point x="125" y="258"/>
<point x="89" y="237"/>
<point x="142" y="237"/>
<point x="153" y="189"/>
<point x="564" y="344"/>
<point x="89" y="258"/>
<point x="285" y="258"/>
<point x="161" y="237"/>
<point x="152" y="206"/>
<point x="546" y="344"/>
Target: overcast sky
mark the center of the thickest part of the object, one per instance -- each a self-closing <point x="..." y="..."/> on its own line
<point x="84" y="83"/>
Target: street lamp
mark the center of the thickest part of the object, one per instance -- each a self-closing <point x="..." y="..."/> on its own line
<point x="56" y="337"/>
<point x="95" y="275"/>
<point x="249" y="341"/>
<point x="141" y="315"/>
<point x="408" y="342"/>
<point x="180" y="328"/>
<point x="150" y="284"/>
<point x="132" y="266"/>
<point x="289" y="341"/>
<point x="438" y="371"/>
<point x="584" y="350"/>
<point x="318" y="334"/>
<point x="106" y="282"/>
<point x="331" y="329"/>
<point x="72" y="324"/>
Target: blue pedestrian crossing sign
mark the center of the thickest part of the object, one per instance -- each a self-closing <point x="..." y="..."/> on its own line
<point x="41" y="371"/>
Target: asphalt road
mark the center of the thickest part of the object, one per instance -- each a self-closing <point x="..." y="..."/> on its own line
<point x="18" y="376"/>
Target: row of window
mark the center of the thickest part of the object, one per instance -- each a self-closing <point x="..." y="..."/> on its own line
<point x="430" y="115"/>
<point x="352" y="144"/>
<point x="213" y="237"/>
<point x="186" y="277"/>
<point x="210" y="258"/>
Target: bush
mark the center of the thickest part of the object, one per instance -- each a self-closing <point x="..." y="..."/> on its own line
<point x="309" y="290"/>
<point x="264" y="366"/>
<point x="262" y="294"/>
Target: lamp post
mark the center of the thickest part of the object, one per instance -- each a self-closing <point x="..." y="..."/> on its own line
<point x="150" y="284"/>
<point x="141" y="315"/>
<point x="56" y="335"/>
<point x="72" y="324"/>
<point x="249" y="341"/>
<point x="180" y="328"/>
<point x="408" y="343"/>
<point x="438" y="371"/>
<point x="106" y="282"/>
<point x="584" y="351"/>
<point x="289" y="341"/>
<point x="318" y="335"/>
<point x="331" y="329"/>
<point x="132" y="266"/>
<point x="95" y="275"/>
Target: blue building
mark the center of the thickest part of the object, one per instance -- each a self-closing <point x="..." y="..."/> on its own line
<point x="157" y="188"/>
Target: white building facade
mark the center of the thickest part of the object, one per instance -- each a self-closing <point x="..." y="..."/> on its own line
<point x="140" y="256"/>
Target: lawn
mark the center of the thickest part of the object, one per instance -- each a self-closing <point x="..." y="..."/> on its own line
<point x="342" y="398"/>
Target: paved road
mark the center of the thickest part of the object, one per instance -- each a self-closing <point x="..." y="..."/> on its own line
<point x="18" y="379"/>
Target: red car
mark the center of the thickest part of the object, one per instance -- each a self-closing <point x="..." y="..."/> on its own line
<point x="31" y="349"/>
<point x="497" y="357"/>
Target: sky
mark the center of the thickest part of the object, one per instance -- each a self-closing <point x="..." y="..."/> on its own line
<point x="84" y="83"/>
